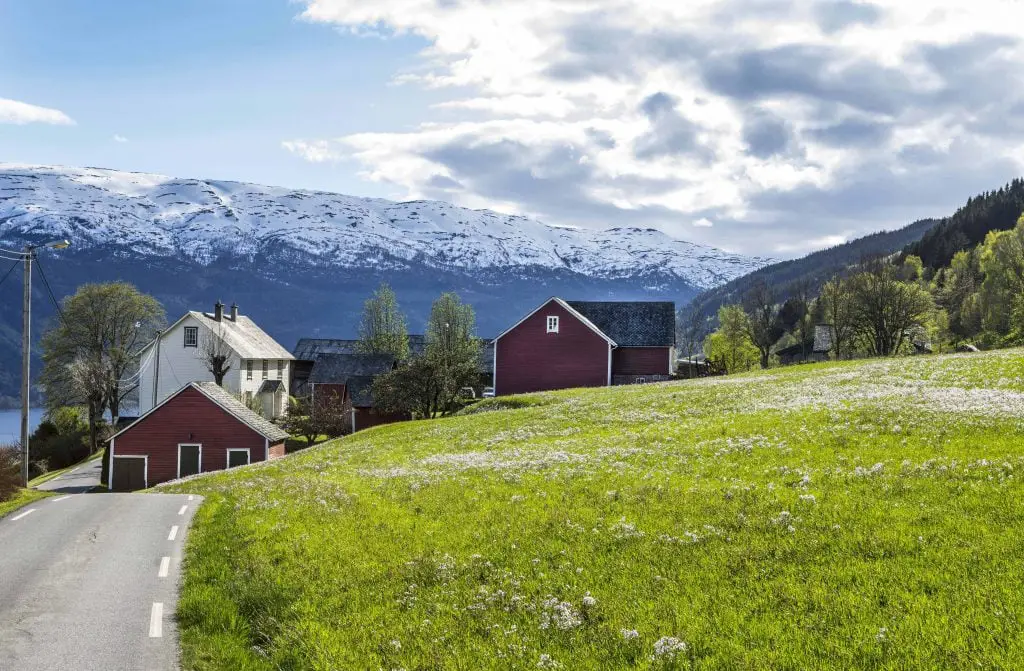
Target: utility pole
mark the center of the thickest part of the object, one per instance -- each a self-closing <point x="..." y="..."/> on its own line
<point x="156" y="371"/>
<point x="26" y="346"/>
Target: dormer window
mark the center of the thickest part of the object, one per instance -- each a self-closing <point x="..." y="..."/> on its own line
<point x="552" y="324"/>
<point x="191" y="336"/>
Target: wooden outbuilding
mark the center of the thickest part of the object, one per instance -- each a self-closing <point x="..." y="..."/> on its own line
<point x="198" y="429"/>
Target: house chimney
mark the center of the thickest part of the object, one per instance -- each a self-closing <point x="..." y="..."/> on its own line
<point x="218" y="311"/>
<point x="234" y="311"/>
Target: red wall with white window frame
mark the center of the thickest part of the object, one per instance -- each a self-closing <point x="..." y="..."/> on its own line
<point x="528" y="358"/>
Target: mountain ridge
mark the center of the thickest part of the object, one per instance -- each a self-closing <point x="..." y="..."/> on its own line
<point x="301" y="262"/>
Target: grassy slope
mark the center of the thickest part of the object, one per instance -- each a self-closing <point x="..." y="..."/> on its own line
<point x="24" y="497"/>
<point x="856" y="515"/>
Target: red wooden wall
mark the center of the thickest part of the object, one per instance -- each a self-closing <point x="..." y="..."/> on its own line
<point x="641" y="361"/>
<point x="189" y="417"/>
<point x="530" y="359"/>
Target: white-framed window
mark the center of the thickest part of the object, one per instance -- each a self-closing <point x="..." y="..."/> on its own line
<point x="641" y="380"/>
<point x="552" y="324"/>
<point x="191" y="336"/>
<point x="266" y="369"/>
<point x="280" y="369"/>
<point x="238" y="457"/>
<point x="248" y="369"/>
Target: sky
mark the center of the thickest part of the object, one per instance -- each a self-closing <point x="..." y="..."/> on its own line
<point x="767" y="127"/>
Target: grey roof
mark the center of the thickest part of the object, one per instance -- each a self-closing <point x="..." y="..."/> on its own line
<point x="244" y="337"/>
<point x="308" y="349"/>
<point x="632" y="323"/>
<point x="271" y="386"/>
<point x="338" y="368"/>
<point x="360" y="390"/>
<point x="233" y="406"/>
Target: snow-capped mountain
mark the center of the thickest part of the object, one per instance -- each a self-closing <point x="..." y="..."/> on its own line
<point x="203" y="220"/>
<point x="301" y="263"/>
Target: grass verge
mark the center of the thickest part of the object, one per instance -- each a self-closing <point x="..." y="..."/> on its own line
<point x="862" y="515"/>
<point x="22" y="499"/>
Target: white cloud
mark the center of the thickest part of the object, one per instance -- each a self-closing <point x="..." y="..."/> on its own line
<point x="703" y="222"/>
<point x="749" y="113"/>
<point x="120" y="138"/>
<point x="15" y="112"/>
<point x="318" y="151"/>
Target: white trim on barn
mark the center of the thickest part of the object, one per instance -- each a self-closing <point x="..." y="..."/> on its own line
<point x="609" y="366"/>
<point x="199" y="445"/>
<point x="248" y="456"/>
<point x="110" y="468"/>
<point x="586" y="322"/>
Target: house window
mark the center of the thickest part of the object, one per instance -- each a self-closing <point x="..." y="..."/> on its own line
<point x="266" y="369"/>
<point x="552" y="324"/>
<point x="280" y="370"/>
<point x="641" y="380"/>
<point x="191" y="336"/>
<point x="248" y="369"/>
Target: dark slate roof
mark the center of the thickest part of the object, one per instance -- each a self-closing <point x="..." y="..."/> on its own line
<point x="236" y="408"/>
<point x="632" y="323"/>
<point x="360" y="390"/>
<point x="337" y="368"/>
<point x="799" y="348"/>
<point x="308" y="349"/>
<point x="271" y="386"/>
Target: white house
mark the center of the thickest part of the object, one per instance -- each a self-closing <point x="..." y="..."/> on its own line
<point x="259" y="366"/>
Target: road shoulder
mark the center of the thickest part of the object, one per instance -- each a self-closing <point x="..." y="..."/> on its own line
<point x="23" y="498"/>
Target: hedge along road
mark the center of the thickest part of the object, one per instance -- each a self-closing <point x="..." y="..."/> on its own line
<point x="90" y="581"/>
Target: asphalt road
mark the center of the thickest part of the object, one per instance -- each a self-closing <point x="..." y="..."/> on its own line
<point x="90" y="581"/>
<point x="77" y="481"/>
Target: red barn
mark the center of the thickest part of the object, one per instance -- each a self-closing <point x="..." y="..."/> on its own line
<point x="198" y="429"/>
<point x="565" y="344"/>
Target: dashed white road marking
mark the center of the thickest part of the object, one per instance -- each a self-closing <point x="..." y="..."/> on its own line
<point x="27" y="512"/>
<point x="156" y="621"/>
<point x="173" y="534"/>
<point x="165" y="565"/>
<point x="183" y="509"/>
<point x="190" y="497"/>
<point x="60" y="498"/>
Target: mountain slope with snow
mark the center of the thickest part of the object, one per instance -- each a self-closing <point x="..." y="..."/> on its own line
<point x="203" y="220"/>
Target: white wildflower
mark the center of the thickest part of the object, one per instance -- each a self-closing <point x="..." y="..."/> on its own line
<point x="630" y="634"/>
<point x="589" y="601"/>
<point x="546" y="661"/>
<point x="881" y="635"/>
<point x="667" y="647"/>
<point x="808" y="498"/>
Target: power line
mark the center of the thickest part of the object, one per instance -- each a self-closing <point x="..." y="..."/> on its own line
<point x="49" y="291"/>
<point x="9" y="271"/>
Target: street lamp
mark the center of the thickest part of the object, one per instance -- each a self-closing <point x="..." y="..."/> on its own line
<point x="26" y="343"/>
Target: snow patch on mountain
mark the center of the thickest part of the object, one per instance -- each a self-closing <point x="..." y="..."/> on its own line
<point x="154" y="215"/>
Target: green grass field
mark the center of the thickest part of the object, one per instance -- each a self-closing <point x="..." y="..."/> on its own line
<point x="862" y="515"/>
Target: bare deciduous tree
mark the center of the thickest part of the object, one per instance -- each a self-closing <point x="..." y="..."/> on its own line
<point x="763" y="326"/>
<point x="216" y="354"/>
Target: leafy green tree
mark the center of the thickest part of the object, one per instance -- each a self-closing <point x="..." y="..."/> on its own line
<point x="428" y="386"/>
<point x="1001" y="262"/>
<point x="957" y="290"/>
<point x="91" y="355"/>
<point x="382" y="329"/>
<point x="886" y="310"/>
<point x="730" y="346"/>
<point x="763" y="326"/>
<point x="837" y="305"/>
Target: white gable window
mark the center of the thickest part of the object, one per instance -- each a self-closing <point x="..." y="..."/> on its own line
<point x="191" y="336"/>
<point x="266" y="369"/>
<point x="248" y="369"/>
<point x="552" y="324"/>
<point x="280" y="369"/>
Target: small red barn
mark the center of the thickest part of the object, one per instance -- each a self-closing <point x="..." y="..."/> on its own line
<point x="565" y="344"/>
<point x="198" y="429"/>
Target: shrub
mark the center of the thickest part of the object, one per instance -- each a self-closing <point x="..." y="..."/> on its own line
<point x="10" y="471"/>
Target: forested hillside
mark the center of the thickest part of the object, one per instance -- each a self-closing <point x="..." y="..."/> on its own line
<point x="991" y="211"/>
<point x="814" y="269"/>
